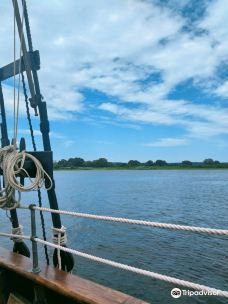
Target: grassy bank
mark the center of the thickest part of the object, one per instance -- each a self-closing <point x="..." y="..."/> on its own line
<point x="145" y="168"/>
<point x="78" y="163"/>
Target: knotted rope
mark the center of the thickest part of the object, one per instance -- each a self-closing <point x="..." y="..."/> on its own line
<point x="59" y="238"/>
<point x="18" y="234"/>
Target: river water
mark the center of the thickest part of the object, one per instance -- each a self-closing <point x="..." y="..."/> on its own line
<point x="186" y="197"/>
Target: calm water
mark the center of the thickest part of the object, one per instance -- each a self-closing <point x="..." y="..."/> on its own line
<point x="184" y="197"/>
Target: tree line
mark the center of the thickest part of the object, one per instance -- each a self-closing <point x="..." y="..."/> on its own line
<point x="78" y="162"/>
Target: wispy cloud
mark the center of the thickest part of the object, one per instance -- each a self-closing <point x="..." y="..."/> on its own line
<point x="115" y="47"/>
<point x="38" y="133"/>
<point x="168" y="142"/>
<point x="69" y="143"/>
<point x="222" y="90"/>
<point x="22" y="132"/>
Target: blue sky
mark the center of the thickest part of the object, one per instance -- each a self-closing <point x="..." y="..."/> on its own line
<point x="129" y="79"/>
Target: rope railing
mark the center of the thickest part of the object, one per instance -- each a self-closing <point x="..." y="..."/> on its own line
<point x="151" y="274"/>
<point x="143" y="272"/>
<point x="134" y="221"/>
<point x="15" y="236"/>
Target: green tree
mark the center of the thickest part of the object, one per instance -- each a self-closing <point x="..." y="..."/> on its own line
<point x="100" y="163"/>
<point x="133" y="163"/>
<point x="63" y="163"/>
<point x="76" y="162"/>
<point x="160" y="162"/>
<point x="88" y="163"/>
<point x="56" y="165"/>
<point x="186" y="163"/>
<point x="208" y="161"/>
<point x="149" y="163"/>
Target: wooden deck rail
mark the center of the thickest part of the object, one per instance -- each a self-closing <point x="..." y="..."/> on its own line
<point x="16" y="270"/>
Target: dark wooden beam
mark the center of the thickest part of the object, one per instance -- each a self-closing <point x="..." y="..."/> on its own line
<point x="8" y="70"/>
<point x="46" y="159"/>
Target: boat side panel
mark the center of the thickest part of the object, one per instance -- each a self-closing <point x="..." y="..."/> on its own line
<point x="58" y="282"/>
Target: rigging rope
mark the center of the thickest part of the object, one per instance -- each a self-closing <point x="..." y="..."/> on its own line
<point x="14" y="68"/>
<point x="12" y="163"/>
<point x="27" y="25"/>
<point x="135" y="222"/>
<point x="30" y="46"/>
<point x="28" y="112"/>
<point x="19" y="78"/>
<point x="147" y="273"/>
<point x="17" y="104"/>
<point x="34" y="149"/>
<point x="151" y="274"/>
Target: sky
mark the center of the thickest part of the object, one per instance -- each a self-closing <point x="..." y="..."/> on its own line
<point x="132" y="79"/>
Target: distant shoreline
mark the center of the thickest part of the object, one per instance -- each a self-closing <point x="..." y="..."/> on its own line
<point x="78" y="163"/>
<point x="139" y="168"/>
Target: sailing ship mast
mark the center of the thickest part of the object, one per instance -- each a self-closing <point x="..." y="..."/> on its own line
<point x="30" y="64"/>
<point x="13" y="267"/>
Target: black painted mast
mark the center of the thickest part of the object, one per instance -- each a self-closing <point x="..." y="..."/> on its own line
<point x="30" y="64"/>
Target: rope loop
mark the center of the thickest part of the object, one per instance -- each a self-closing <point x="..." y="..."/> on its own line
<point x="18" y="231"/>
<point x="12" y="164"/>
<point x="59" y="236"/>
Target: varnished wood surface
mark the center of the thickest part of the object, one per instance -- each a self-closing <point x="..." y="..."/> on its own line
<point x="68" y="285"/>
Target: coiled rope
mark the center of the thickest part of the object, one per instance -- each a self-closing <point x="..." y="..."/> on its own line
<point x="12" y="164"/>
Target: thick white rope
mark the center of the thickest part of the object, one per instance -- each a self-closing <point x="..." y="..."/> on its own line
<point x="11" y="163"/>
<point x="16" y="166"/>
<point x="20" y="32"/>
<point x="19" y="236"/>
<point x="14" y="69"/>
<point x="7" y="194"/>
<point x="16" y="105"/>
<point x="147" y="273"/>
<point x="59" y="235"/>
<point x="18" y="233"/>
<point x="59" y="238"/>
<point x="135" y="222"/>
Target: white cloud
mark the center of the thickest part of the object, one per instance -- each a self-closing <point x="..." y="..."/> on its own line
<point x="215" y="21"/>
<point x="113" y="108"/>
<point x="38" y="133"/>
<point x="199" y="120"/>
<point x="113" y="47"/>
<point x="68" y="143"/>
<point x="138" y="114"/>
<point x="27" y="132"/>
<point x="9" y="101"/>
<point x="167" y="142"/>
<point x="222" y="90"/>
